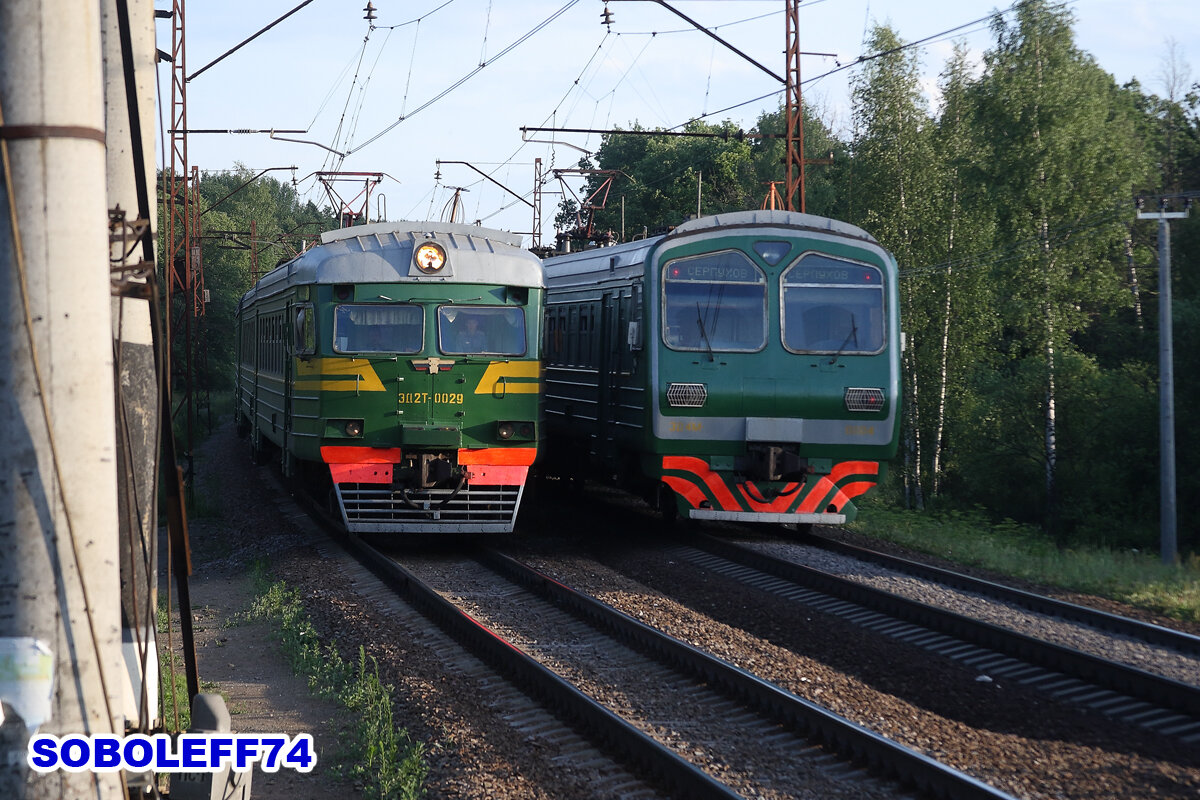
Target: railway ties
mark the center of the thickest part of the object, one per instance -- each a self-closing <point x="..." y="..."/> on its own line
<point x="1153" y="701"/>
<point x="682" y="719"/>
<point x="1099" y="620"/>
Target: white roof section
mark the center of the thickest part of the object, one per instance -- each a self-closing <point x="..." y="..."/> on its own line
<point x="768" y="217"/>
<point x="423" y="229"/>
<point x="621" y="261"/>
<point x="382" y="252"/>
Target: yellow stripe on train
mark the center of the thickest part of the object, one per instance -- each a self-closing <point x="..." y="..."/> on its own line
<point x="352" y="374"/>
<point x="510" y="377"/>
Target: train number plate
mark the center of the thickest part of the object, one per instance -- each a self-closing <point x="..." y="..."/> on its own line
<point x="442" y="398"/>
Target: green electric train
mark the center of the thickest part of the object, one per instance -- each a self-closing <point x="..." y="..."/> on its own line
<point x="744" y="367"/>
<point x="396" y="367"/>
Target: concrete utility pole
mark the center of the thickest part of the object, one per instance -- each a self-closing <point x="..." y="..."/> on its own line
<point x="60" y="627"/>
<point x="1166" y="380"/>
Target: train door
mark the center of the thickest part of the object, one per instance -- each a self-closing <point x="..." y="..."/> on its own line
<point x="607" y="367"/>
<point x="257" y="326"/>
<point x="256" y="371"/>
<point x="288" y="334"/>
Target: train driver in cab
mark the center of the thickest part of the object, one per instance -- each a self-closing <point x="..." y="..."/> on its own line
<point x="471" y="338"/>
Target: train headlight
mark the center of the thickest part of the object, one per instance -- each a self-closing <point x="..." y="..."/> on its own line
<point x="772" y="252"/>
<point x="517" y="430"/>
<point x="343" y="428"/>
<point x="430" y="257"/>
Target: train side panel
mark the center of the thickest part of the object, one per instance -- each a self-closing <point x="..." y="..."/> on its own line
<point x="597" y="404"/>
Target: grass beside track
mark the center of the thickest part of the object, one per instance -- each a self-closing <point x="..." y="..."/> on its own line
<point x="1024" y="551"/>
<point x="378" y="756"/>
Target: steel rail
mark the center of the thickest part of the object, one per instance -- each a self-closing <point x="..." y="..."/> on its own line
<point x="568" y="703"/>
<point x="1169" y="693"/>
<point x="851" y="741"/>
<point x="1102" y="620"/>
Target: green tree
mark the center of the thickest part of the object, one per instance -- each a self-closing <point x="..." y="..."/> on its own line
<point x="1059" y="155"/>
<point x="658" y="178"/>
<point x="961" y="225"/>
<point x="893" y="170"/>
<point x="824" y="183"/>
<point x="245" y="217"/>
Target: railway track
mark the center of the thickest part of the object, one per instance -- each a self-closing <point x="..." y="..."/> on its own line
<point x="1150" y="633"/>
<point x="1003" y="736"/>
<point x="1160" y="704"/>
<point x="1120" y="691"/>
<point x="736" y="734"/>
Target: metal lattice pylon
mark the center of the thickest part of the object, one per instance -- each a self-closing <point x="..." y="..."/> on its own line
<point x="795" y="111"/>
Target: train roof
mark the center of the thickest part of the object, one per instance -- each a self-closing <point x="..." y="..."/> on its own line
<point x="426" y="229"/>
<point x="628" y="259"/>
<point x="791" y="219"/>
<point x="382" y="252"/>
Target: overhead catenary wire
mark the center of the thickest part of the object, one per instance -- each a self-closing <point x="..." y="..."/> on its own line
<point x="925" y="41"/>
<point x="860" y="60"/>
<point x="576" y="84"/>
<point x="942" y="35"/>
<point x="709" y="27"/>
<point x="362" y="96"/>
<point x="246" y="41"/>
<point x="471" y="74"/>
<point x="487" y="24"/>
<point x="356" y="61"/>
<point x="584" y="87"/>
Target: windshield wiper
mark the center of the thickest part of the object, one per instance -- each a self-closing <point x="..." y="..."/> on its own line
<point x="704" y="333"/>
<point x="853" y="334"/>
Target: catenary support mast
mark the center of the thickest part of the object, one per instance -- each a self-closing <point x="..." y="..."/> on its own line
<point x="1166" y="381"/>
<point x="129" y="91"/>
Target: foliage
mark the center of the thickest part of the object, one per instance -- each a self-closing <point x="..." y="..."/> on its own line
<point x="1057" y="151"/>
<point x="892" y="150"/>
<point x="658" y="177"/>
<point x="827" y="188"/>
<point x="378" y="754"/>
<point x="246" y="219"/>
<point x="969" y="537"/>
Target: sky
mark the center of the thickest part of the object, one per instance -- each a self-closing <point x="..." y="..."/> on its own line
<point x="456" y="80"/>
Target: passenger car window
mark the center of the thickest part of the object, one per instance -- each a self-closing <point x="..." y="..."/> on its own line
<point x="378" y="328"/>
<point x="832" y="305"/>
<point x="715" y="302"/>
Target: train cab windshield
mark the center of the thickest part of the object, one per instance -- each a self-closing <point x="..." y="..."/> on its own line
<point x="832" y="306"/>
<point x="378" y="328"/>
<point x="716" y="302"/>
<point x="491" y="330"/>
